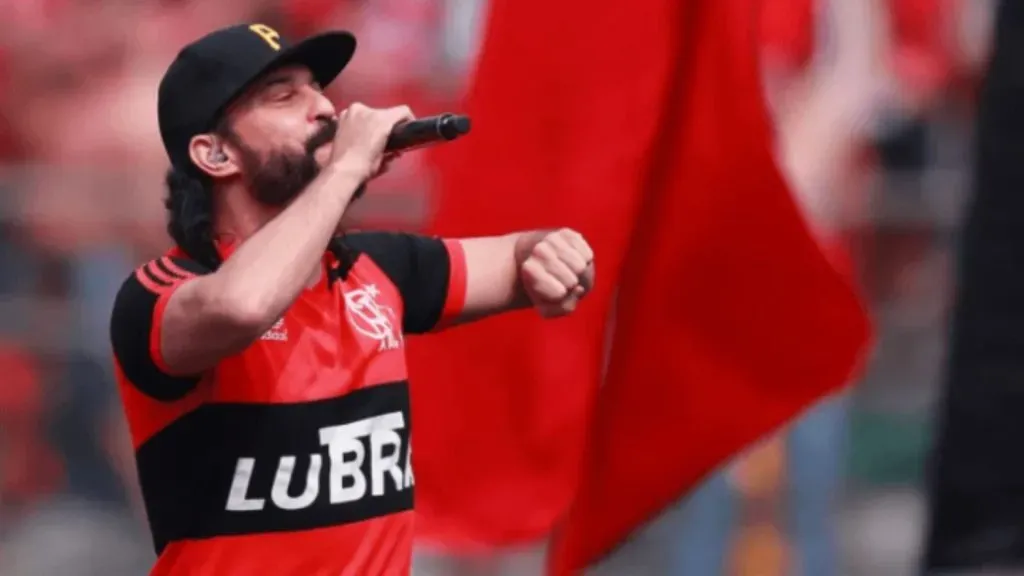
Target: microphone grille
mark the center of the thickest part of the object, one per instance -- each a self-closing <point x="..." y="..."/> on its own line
<point x="451" y="126"/>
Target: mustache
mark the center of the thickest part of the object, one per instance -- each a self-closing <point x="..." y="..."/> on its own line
<point x="325" y="135"/>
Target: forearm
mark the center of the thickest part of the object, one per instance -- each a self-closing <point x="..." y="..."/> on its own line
<point x="269" y="270"/>
<point x="492" y="273"/>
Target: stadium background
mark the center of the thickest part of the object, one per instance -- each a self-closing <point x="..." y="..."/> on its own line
<point x="81" y="167"/>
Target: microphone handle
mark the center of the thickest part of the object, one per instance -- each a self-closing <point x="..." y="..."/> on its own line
<point x="422" y="132"/>
<point x="429" y="130"/>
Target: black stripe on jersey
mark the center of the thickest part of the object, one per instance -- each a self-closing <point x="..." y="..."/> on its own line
<point x="234" y="469"/>
<point x="153" y="277"/>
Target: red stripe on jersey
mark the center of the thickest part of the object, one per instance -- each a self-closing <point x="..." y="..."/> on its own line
<point x="159" y="273"/>
<point x="169" y="278"/>
<point x="455" y="302"/>
<point x="175" y="269"/>
<point x="148" y="281"/>
<point x="155" y="332"/>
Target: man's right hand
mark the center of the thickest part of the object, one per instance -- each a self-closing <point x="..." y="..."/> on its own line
<point x="362" y="134"/>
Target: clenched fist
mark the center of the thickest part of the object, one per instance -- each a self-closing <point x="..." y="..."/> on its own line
<point x="557" y="272"/>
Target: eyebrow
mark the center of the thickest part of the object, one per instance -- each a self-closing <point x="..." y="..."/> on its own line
<point x="276" y="79"/>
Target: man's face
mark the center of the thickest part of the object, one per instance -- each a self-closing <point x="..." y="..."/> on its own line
<point x="282" y="130"/>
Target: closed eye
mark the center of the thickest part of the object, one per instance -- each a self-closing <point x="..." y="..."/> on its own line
<point x="284" y="85"/>
<point x="279" y="91"/>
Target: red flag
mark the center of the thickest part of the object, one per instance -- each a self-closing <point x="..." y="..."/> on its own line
<point x="566" y="101"/>
<point x="730" y="319"/>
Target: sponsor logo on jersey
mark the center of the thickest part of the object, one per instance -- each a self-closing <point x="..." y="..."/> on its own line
<point x="362" y="459"/>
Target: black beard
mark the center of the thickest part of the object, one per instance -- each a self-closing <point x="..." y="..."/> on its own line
<point x="278" y="179"/>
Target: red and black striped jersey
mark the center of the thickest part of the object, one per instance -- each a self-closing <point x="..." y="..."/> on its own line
<point x="292" y="457"/>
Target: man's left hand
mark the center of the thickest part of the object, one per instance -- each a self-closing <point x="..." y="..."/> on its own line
<point x="557" y="272"/>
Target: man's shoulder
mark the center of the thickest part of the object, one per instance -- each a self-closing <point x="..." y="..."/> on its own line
<point x="381" y="244"/>
<point x="141" y="289"/>
<point x="135" y="324"/>
<point x="398" y="254"/>
<point x="371" y="240"/>
<point x="164" y="272"/>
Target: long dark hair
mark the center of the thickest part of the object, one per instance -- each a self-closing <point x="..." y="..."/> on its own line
<point x="189" y="204"/>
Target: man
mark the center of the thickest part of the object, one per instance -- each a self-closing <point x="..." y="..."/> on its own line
<point x="263" y="375"/>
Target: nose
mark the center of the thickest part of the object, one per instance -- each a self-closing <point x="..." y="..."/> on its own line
<point x="320" y="106"/>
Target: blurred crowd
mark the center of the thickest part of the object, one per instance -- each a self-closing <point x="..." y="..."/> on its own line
<point x="873" y="100"/>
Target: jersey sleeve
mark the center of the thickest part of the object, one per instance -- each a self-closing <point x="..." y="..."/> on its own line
<point x="430" y="274"/>
<point x="135" y="326"/>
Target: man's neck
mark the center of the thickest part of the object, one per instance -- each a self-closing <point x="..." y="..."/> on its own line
<point x="237" y="216"/>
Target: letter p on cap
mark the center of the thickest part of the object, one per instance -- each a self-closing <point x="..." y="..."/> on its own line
<point x="268" y="34"/>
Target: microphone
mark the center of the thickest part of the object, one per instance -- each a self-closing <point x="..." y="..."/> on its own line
<point x="405" y="136"/>
<point x="429" y="130"/>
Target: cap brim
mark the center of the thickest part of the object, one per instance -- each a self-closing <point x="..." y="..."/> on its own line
<point x="326" y="55"/>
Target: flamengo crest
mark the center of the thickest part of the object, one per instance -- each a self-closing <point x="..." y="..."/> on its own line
<point x="372" y="319"/>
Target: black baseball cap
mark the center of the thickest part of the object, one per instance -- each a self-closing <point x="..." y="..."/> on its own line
<point x="210" y="73"/>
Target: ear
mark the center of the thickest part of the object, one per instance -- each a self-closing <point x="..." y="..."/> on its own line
<point x="212" y="157"/>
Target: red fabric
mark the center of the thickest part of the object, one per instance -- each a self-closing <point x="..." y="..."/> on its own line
<point x="455" y="302"/>
<point x="730" y="320"/>
<point x="563" y="130"/>
<point x="788" y="30"/>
